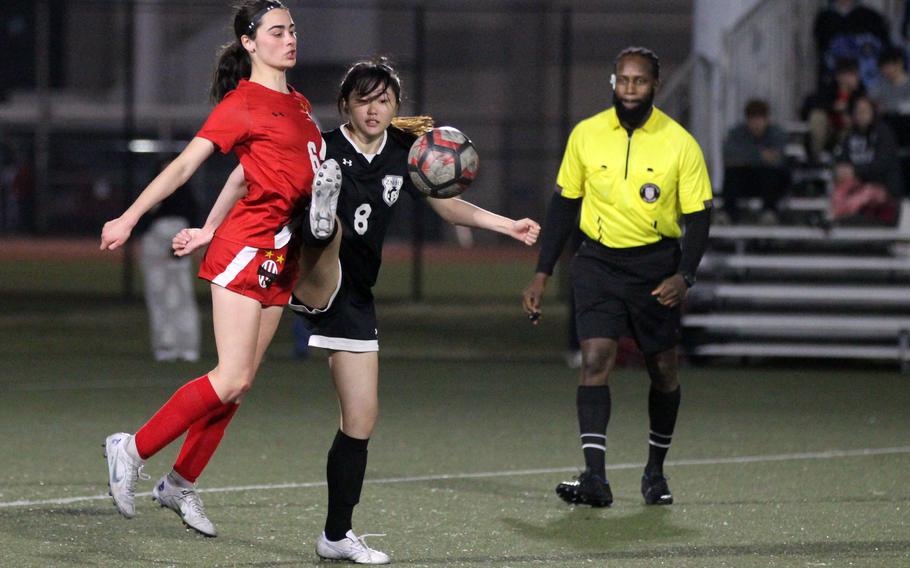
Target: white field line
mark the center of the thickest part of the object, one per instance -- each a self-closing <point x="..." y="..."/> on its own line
<point x="830" y="454"/>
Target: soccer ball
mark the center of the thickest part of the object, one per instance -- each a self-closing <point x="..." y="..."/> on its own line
<point x="443" y="162"/>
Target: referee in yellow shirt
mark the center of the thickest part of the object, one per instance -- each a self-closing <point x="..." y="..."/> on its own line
<point x="634" y="173"/>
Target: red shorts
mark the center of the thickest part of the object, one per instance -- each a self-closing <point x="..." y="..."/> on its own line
<point x="266" y="275"/>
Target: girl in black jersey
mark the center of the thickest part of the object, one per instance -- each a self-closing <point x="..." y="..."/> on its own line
<point x="373" y="156"/>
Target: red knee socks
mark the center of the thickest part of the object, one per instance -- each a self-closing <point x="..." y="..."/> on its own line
<point x="192" y="402"/>
<point x="202" y="440"/>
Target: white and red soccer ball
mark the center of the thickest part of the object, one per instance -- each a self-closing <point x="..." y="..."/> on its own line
<point x="443" y="162"/>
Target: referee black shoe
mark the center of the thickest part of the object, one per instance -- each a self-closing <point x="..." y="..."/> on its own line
<point x="586" y="489"/>
<point x="655" y="490"/>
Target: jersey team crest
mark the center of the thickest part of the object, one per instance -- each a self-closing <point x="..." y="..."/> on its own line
<point x="268" y="272"/>
<point x="649" y="193"/>
<point x="391" y="188"/>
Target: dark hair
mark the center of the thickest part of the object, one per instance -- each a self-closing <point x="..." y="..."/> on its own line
<point x="846" y="64"/>
<point x="756" y="107"/>
<point x="364" y="77"/>
<point x="893" y="55"/>
<point x="233" y="61"/>
<point x="641" y="52"/>
<point x="856" y="98"/>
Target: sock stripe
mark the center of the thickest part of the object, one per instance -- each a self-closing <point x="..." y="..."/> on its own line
<point x="653" y="443"/>
<point x="594" y="446"/>
<point x="653" y="433"/>
<point x="583" y="436"/>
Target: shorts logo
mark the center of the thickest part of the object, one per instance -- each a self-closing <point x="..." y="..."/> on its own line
<point x="391" y="187"/>
<point x="268" y="272"/>
<point x="649" y="193"/>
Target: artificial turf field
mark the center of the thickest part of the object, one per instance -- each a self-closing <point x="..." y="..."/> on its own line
<point x="771" y="466"/>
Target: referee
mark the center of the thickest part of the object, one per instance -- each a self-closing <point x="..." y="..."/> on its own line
<point x="633" y="172"/>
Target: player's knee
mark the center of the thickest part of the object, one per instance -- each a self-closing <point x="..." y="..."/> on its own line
<point x="662" y="369"/>
<point x="360" y="423"/>
<point x="596" y="364"/>
<point x="232" y="386"/>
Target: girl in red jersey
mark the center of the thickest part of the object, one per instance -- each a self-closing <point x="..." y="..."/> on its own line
<point x="251" y="261"/>
<point x="373" y="148"/>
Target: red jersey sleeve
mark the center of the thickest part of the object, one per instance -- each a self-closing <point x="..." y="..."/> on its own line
<point x="229" y="122"/>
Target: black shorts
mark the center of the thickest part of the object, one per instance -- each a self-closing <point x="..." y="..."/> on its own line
<point x="613" y="298"/>
<point x="348" y="323"/>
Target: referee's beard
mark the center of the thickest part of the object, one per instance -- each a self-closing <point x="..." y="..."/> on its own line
<point x="636" y="116"/>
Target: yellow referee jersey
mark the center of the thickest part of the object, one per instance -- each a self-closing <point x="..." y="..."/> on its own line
<point x="633" y="188"/>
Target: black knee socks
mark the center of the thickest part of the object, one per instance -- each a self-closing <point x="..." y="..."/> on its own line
<point x="345" y="468"/>
<point x="663" y="408"/>
<point x="593" y="415"/>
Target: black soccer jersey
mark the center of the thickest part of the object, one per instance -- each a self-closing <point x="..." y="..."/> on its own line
<point x="369" y="190"/>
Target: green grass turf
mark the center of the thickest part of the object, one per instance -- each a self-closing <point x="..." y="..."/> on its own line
<point x="466" y="390"/>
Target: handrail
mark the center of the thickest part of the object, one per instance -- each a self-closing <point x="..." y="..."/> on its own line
<point x="673" y="96"/>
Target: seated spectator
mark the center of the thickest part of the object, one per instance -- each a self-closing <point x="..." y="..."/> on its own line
<point x="867" y="175"/>
<point x="826" y="111"/>
<point x="754" y="165"/>
<point x="892" y="94"/>
<point x="848" y="29"/>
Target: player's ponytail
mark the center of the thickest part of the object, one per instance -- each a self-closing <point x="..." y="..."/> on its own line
<point x="406" y="129"/>
<point x="234" y="62"/>
<point x="413" y="125"/>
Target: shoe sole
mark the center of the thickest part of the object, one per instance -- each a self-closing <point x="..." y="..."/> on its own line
<point x="573" y="498"/>
<point x="326" y="187"/>
<point x="182" y="520"/>
<point x="109" y="490"/>
<point x="344" y="559"/>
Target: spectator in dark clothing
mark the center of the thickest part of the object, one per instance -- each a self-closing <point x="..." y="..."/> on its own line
<point x="827" y="111"/>
<point x="847" y="29"/>
<point x="867" y="174"/>
<point x="892" y="94"/>
<point x="754" y="164"/>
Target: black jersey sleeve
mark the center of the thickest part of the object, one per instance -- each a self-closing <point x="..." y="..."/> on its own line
<point x="695" y="241"/>
<point x="562" y="217"/>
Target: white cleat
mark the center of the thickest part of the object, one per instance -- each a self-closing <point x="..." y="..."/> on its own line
<point x="352" y="548"/>
<point x="186" y="503"/>
<point x="324" y="199"/>
<point x="123" y="472"/>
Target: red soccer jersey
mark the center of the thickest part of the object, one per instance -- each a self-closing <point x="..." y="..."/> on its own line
<point x="280" y="148"/>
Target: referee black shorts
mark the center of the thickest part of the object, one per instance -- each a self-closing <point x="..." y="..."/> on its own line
<point x="613" y="293"/>
<point x="348" y="323"/>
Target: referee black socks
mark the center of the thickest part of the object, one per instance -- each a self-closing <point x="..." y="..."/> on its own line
<point x="345" y="468"/>
<point x="594" y="405"/>
<point x="663" y="408"/>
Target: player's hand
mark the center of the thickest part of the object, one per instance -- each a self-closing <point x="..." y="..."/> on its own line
<point x="116" y="232"/>
<point x="671" y="291"/>
<point x="525" y="230"/>
<point x="532" y="296"/>
<point x="189" y="240"/>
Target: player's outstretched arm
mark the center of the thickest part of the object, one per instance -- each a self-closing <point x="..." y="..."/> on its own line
<point x="459" y="212"/>
<point x="117" y="231"/>
<point x="189" y="240"/>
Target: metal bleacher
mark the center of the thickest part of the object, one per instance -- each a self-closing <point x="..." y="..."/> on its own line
<point x="799" y="291"/>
